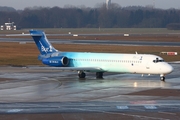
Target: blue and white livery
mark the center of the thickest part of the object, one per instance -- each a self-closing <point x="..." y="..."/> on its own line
<point x="98" y="62"/>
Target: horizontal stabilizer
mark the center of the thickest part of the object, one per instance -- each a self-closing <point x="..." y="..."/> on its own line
<point x="24" y="35"/>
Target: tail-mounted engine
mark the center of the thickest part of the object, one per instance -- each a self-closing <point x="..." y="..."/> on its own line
<point x="60" y="61"/>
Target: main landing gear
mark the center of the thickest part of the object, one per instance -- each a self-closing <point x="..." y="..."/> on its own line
<point x="81" y="74"/>
<point x="99" y="75"/>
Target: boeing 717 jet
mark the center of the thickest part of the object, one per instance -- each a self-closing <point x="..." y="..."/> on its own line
<point x="99" y="63"/>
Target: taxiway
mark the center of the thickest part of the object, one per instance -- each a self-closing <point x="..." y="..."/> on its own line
<point x="99" y="42"/>
<point x="24" y="90"/>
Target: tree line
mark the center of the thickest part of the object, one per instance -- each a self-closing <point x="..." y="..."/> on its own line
<point x="74" y="17"/>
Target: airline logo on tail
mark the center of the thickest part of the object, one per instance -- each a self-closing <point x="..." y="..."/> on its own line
<point x="49" y="49"/>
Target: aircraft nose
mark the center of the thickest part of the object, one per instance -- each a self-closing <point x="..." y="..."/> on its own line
<point x="169" y="69"/>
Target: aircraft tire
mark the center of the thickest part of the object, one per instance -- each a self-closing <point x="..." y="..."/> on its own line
<point x="162" y="78"/>
<point x="82" y="75"/>
<point x="99" y="75"/>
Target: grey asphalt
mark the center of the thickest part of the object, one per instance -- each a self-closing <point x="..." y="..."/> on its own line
<point x="104" y="42"/>
<point x="25" y="90"/>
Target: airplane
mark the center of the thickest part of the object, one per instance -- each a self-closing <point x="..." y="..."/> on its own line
<point x="98" y="63"/>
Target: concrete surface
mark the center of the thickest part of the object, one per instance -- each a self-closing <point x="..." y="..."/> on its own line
<point x="27" y="93"/>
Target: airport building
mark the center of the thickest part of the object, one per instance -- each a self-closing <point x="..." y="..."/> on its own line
<point x="8" y="26"/>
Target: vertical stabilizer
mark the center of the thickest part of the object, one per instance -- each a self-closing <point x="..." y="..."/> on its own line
<point x="42" y="42"/>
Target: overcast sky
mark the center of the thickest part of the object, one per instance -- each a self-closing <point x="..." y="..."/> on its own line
<point x="21" y="4"/>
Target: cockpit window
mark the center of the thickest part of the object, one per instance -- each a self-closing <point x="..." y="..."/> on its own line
<point x="158" y="60"/>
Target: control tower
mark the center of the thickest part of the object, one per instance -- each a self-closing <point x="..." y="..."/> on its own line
<point x="108" y="4"/>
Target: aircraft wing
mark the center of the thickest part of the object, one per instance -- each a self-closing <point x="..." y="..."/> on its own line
<point x="87" y="69"/>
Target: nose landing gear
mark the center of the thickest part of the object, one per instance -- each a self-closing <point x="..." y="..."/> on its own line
<point x="162" y="78"/>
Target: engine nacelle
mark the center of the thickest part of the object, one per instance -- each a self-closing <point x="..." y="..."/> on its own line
<point x="59" y="61"/>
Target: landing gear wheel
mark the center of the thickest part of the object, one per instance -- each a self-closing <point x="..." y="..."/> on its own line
<point x="81" y="74"/>
<point x="99" y="75"/>
<point x="162" y="78"/>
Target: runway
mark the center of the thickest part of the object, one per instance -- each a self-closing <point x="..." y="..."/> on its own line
<point x="100" y="42"/>
<point x="24" y="90"/>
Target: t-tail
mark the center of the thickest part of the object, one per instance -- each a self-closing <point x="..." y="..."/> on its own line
<point x="42" y="42"/>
